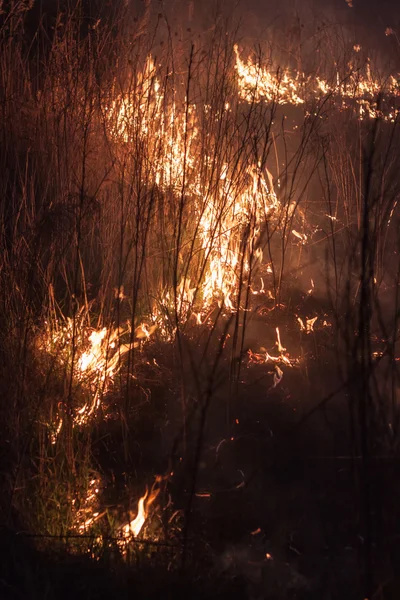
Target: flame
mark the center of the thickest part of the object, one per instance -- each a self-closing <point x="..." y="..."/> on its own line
<point x="258" y="83"/>
<point x="301" y="236"/>
<point x="93" y="357"/>
<point x="135" y="526"/>
<point x="228" y="219"/>
<point x="171" y="131"/>
<point x="281" y="349"/>
<point x="308" y="326"/>
<point x="264" y="356"/>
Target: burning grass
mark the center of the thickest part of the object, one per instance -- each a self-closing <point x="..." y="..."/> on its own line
<point x="171" y="214"/>
<point x="357" y="88"/>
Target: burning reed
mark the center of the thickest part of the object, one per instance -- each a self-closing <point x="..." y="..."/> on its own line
<point x="158" y="197"/>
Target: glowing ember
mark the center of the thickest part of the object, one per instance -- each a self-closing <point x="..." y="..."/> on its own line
<point x="86" y="510"/>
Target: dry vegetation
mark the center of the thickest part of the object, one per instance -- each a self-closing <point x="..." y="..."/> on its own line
<point x="185" y="232"/>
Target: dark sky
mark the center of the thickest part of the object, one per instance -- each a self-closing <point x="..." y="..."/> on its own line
<point x="365" y="22"/>
<point x="373" y="14"/>
<point x="377" y="14"/>
<point x="367" y="18"/>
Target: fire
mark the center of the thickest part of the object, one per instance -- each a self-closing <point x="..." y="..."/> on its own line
<point x="86" y="512"/>
<point x="281" y="349"/>
<point x="222" y="216"/>
<point x="258" y="83"/>
<point x="93" y="357"/>
<point x="301" y="236"/>
<point x="135" y="526"/>
<point x="228" y="199"/>
<point x="229" y="216"/>
<point x="252" y="206"/>
<point x="308" y="326"/>
<point x="282" y="86"/>
<point x="264" y="357"/>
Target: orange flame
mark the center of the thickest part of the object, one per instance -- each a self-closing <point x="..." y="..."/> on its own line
<point x="282" y="86"/>
<point x="135" y="526"/>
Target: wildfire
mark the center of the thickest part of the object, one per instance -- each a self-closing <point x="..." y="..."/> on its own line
<point x="220" y="202"/>
<point x="228" y="218"/>
<point x="132" y="529"/>
<point x="86" y="511"/>
<point x="223" y="216"/>
<point x="258" y="83"/>
<point x="282" y="86"/>
<point x="90" y="357"/>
